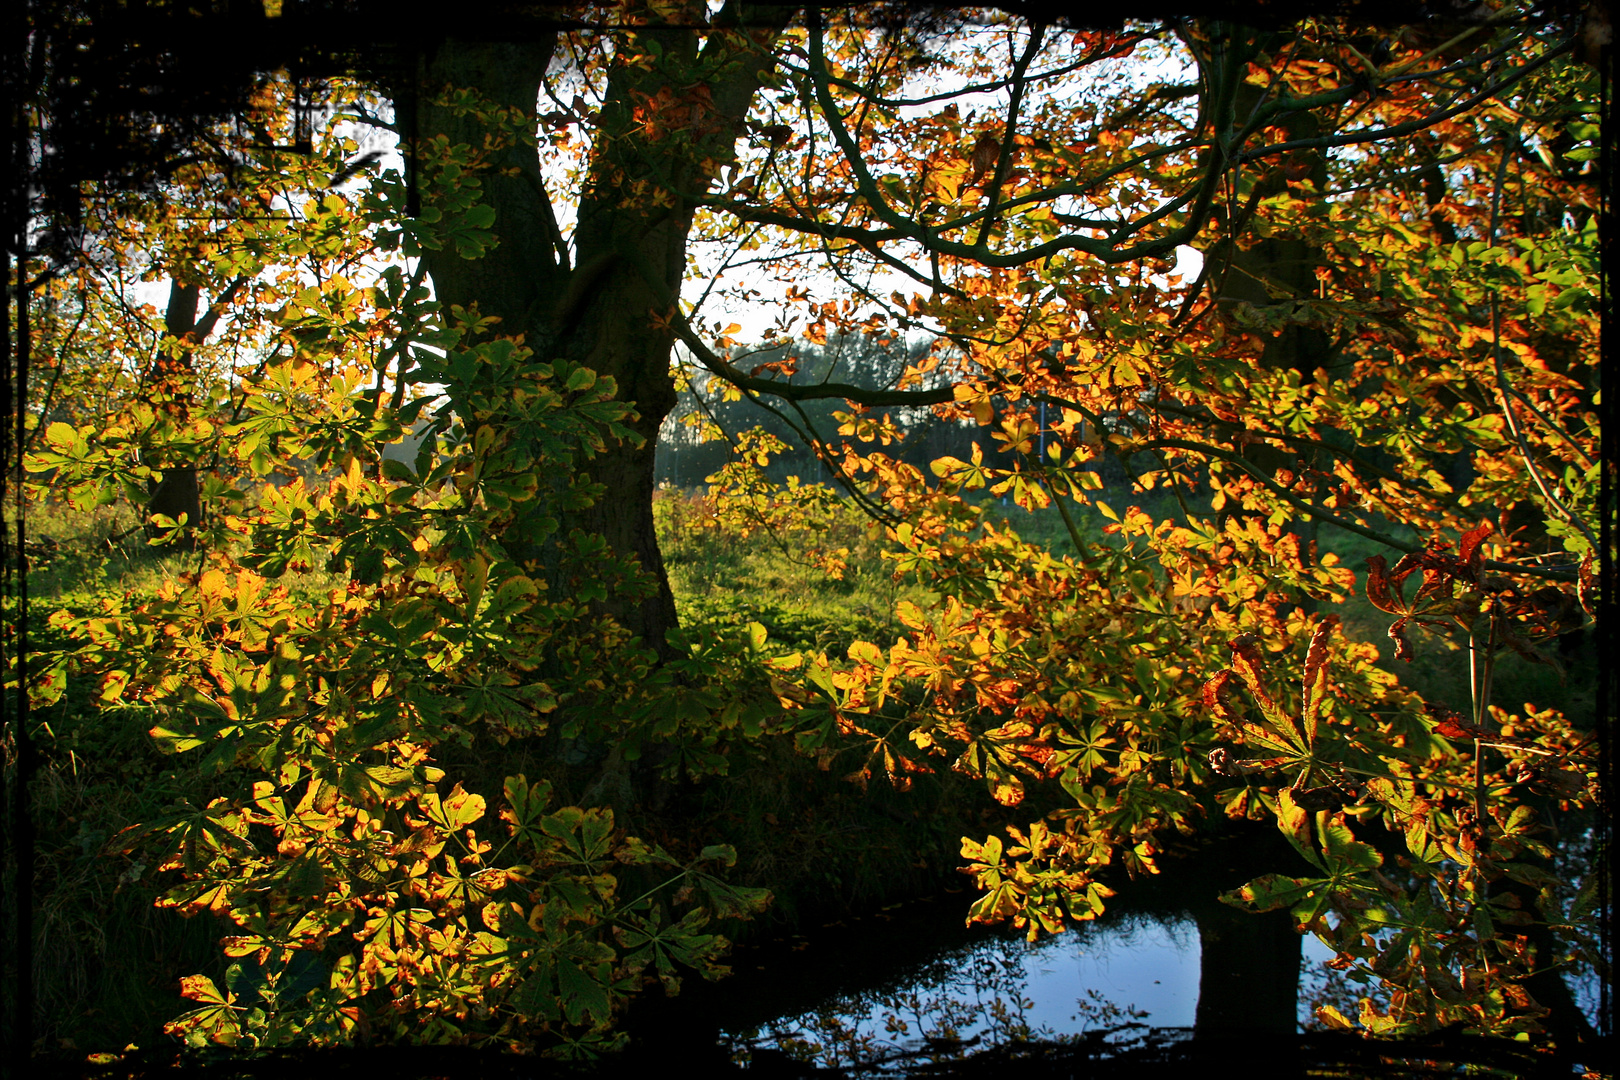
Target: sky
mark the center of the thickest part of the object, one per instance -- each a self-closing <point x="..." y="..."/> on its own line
<point x="722" y="306"/>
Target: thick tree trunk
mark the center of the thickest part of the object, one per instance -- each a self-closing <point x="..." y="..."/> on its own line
<point x="1248" y="983"/>
<point x="1249" y="963"/>
<point x="605" y="307"/>
<point x="1280" y="270"/>
<point x="596" y="312"/>
<point x="176" y="493"/>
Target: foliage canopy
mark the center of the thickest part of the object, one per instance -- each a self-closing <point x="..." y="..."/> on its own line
<point x="1391" y="333"/>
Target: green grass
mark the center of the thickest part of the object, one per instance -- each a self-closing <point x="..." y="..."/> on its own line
<point x="83" y="552"/>
<point x="719" y="578"/>
<point x="107" y="963"/>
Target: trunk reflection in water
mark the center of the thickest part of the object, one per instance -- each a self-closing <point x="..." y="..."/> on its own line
<point x="1120" y="976"/>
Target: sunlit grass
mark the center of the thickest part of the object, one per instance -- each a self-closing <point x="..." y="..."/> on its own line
<point x="73" y="551"/>
<point x="718" y="577"/>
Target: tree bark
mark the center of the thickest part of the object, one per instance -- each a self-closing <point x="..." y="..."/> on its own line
<point x="600" y="308"/>
<point x="592" y="312"/>
<point x="176" y="492"/>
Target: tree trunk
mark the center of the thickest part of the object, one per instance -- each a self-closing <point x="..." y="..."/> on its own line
<point x="1280" y="270"/>
<point x="1248" y="982"/>
<point x="176" y="492"/>
<point x="600" y="308"/>
<point x="594" y="313"/>
<point x="1248" y="988"/>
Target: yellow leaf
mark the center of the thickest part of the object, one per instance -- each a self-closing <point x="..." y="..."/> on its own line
<point x="1334" y="1019"/>
<point x="112" y="685"/>
<point x="202" y="988"/>
<point x="1006" y="790"/>
<point x="976" y="399"/>
<point x="1125" y="373"/>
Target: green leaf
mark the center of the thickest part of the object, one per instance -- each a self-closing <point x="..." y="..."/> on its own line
<point x="394" y="469"/>
<point x="728" y="901"/>
<point x="1344" y="852"/>
<point x="515" y="596"/>
<point x="584" y="994"/>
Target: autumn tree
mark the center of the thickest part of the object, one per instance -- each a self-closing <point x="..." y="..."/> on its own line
<point x="682" y="129"/>
<point x="1393" y="329"/>
<point x="1034" y="229"/>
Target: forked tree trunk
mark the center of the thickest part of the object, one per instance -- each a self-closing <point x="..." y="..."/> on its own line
<point x="524" y="281"/>
<point x="598" y="307"/>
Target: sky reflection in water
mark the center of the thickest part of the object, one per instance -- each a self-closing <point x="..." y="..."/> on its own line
<point x="1002" y="988"/>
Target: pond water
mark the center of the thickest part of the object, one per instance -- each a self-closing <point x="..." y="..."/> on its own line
<point x="1120" y="975"/>
<point x="912" y="985"/>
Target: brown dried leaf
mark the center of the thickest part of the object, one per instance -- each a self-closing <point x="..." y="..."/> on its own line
<point x="1218" y="698"/>
<point x="1316" y="658"/>
<point x="1403" y="646"/>
<point x="985" y="152"/>
<point x="1469" y="551"/>
<point x="1382" y="592"/>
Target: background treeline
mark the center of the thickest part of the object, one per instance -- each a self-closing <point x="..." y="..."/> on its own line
<point x="696" y="439"/>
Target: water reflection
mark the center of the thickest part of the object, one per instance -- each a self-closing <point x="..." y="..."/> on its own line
<point x="1112" y="981"/>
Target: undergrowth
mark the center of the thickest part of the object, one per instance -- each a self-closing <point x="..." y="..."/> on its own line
<point x="107" y="962"/>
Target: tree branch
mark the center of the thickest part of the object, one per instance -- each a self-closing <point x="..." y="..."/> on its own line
<point x="1396" y="131"/>
<point x="1316" y="513"/>
<point x="1004" y="158"/>
<point x="719" y="366"/>
<point x="1313" y="444"/>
